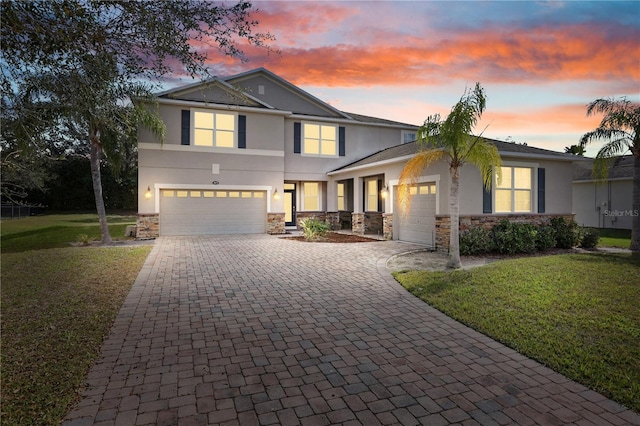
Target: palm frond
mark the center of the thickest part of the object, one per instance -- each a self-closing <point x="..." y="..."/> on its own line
<point x="486" y="157"/>
<point x="412" y="171"/>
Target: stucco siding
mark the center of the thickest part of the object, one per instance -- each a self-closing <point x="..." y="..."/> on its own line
<point x="603" y="204"/>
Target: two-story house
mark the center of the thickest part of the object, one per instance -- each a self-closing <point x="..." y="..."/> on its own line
<point x="252" y="153"/>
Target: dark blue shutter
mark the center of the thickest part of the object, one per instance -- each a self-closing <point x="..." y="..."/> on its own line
<point x="341" y="141"/>
<point x="297" y="136"/>
<point x="541" y="185"/>
<point x="380" y="195"/>
<point x="486" y="200"/>
<point x="186" y="127"/>
<point x="242" y="131"/>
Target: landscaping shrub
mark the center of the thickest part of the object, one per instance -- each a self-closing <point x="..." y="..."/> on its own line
<point x="512" y="238"/>
<point x="567" y="233"/>
<point x="476" y="241"/>
<point x="545" y="238"/>
<point x="590" y="237"/>
<point x="314" y="229"/>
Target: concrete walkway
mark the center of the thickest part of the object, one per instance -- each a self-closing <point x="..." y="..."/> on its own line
<point x="245" y="330"/>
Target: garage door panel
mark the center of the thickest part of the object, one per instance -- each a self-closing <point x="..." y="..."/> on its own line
<point x="221" y="212"/>
<point x="418" y="225"/>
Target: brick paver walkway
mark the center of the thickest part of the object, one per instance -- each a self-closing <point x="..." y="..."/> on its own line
<point x="245" y="330"/>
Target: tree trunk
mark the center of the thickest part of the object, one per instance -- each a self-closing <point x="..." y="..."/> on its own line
<point x="635" y="208"/>
<point x="97" y="186"/>
<point x="454" y="216"/>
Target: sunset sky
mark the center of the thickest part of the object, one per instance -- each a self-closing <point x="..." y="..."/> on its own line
<point x="540" y="62"/>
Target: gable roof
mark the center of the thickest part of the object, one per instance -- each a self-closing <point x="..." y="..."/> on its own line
<point x="407" y="150"/>
<point x="619" y="168"/>
<point x="235" y="79"/>
<point x="229" y="95"/>
<point x="230" y="91"/>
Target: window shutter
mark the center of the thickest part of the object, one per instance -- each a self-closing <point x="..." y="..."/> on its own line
<point x="341" y="141"/>
<point x="541" y="188"/>
<point x="186" y="127"/>
<point x="297" y="136"/>
<point x="486" y="200"/>
<point x="242" y="131"/>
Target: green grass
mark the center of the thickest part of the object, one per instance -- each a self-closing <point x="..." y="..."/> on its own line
<point x="620" y="238"/>
<point x="59" y="230"/>
<point x="577" y="313"/>
<point x="57" y="306"/>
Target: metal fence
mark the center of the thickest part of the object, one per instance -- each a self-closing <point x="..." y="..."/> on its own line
<point x="17" y="211"/>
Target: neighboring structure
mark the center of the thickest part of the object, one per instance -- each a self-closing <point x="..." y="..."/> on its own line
<point x="253" y="153"/>
<point x="604" y="203"/>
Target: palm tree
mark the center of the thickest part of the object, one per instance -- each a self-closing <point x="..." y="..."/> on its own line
<point x="452" y="140"/>
<point x="620" y="127"/>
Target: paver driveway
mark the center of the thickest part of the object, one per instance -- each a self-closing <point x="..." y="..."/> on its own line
<point x="260" y="330"/>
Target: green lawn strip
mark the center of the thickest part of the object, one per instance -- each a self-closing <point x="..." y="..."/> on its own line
<point x="40" y="232"/>
<point x="577" y="314"/>
<point x="57" y="306"/>
<point x="620" y="238"/>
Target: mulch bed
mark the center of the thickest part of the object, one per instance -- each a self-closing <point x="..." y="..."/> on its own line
<point x="335" y="237"/>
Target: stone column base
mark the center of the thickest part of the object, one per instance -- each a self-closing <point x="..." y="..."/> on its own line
<point x="275" y="224"/>
<point x="147" y="226"/>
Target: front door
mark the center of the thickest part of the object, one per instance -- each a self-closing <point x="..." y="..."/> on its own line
<point x="290" y="204"/>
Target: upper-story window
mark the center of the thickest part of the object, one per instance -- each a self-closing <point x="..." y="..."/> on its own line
<point x="513" y="192"/>
<point x="320" y="139"/>
<point x="408" y="136"/>
<point x="216" y="129"/>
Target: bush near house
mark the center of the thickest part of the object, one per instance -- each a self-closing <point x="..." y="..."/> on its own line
<point x="314" y="229"/>
<point x="516" y="238"/>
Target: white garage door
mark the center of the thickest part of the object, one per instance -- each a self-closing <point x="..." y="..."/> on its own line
<point x="198" y="212"/>
<point x="419" y="224"/>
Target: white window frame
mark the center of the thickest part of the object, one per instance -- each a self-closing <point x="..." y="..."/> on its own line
<point x="369" y="195"/>
<point x="341" y="198"/>
<point x="304" y="196"/>
<point x="407" y="132"/>
<point x="213" y="141"/>
<point x="304" y="148"/>
<point x="532" y="185"/>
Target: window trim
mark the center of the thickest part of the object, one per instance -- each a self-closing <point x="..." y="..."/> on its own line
<point x="342" y="197"/>
<point x="303" y="196"/>
<point x="532" y="188"/>
<point x="192" y="128"/>
<point x="407" y="132"/>
<point x="303" y="139"/>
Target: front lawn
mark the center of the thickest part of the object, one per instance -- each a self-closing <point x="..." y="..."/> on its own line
<point x="620" y="238"/>
<point x="576" y="313"/>
<point x="58" y="305"/>
<point x="58" y="230"/>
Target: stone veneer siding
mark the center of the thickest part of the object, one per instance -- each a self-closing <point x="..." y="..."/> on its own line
<point x="321" y="216"/>
<point x="147" y="226"/>
<point x="357" y="223"/>
<point x="373" y="223"/>
<point x="487" y="222"/>
<point x="387" y="226"/>
<point x="275" y="224"/>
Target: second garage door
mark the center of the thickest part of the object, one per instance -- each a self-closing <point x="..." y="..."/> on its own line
<point x="198" y="212"/>
<point x="419" y="224"/>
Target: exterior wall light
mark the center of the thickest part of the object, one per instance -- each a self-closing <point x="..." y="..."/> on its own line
<point x="276" y="196"/>
<point x="147" y="193"/>
<point x="385" y="192"/>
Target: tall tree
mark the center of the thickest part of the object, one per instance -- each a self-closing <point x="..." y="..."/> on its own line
<point x="77" y="66"/>
<point x="452" y="140"/>
<point x="575" y="149"/>
<point x="620" y="128"/>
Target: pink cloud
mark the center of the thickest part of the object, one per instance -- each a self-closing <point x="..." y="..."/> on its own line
<point x="578" y="52"/>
